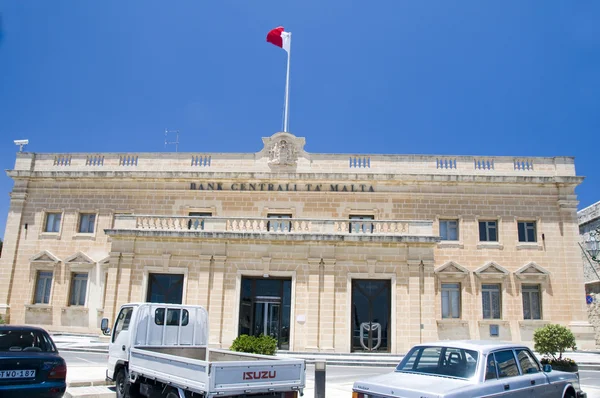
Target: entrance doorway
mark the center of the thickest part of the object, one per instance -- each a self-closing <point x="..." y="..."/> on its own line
<point x="265" y="306"/>
<point x="371" y="302"/>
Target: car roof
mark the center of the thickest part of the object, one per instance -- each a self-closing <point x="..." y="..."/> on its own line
<point x="24" y="328"/>
<point x="483" y="346"/>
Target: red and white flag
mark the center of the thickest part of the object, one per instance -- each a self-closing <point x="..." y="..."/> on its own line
<point x="280" y="38"/>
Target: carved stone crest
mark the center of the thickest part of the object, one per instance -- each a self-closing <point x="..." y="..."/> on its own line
<point x="282" y="149"/>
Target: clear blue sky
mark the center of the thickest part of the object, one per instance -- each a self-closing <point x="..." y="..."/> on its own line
<point x="508" y="77"/>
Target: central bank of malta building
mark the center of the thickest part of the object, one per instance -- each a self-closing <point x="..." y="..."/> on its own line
<point x="324" y="252"/>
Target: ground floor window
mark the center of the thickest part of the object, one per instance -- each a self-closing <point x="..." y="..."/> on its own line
<point x="531" y="302"/>
<point x="450" y="300"/>
<point x="43" y="285"/>
<point x="491" y="302"/>
<point x="165" y="288"/>
<point x="265" y="307"/>
<point x="78" y="288"/>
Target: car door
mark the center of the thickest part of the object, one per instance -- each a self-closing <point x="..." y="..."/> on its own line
<point x="532" y="371"/>
<point x="118" y="350"/>
<point x="503" y="378"/>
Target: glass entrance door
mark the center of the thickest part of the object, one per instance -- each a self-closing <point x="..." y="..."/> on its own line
<point x="371" y="302"/>
<point x="266" y="317"/>
<point x="265" y="306"/>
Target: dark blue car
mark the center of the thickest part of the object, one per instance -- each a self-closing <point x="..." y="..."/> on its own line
<point x="29" y="363"/>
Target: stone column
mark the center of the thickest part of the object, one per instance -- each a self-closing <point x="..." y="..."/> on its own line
<point x="198" y="283"/>
<point x="215" y="304"/>
<point x="428" y="304"/>
<point x="12" y="236"/>
<point x="414" y="317"/>
<point x="313" y="313"/>
<point x="111" y="287"/>
<point x="327" y="307"/>
<point x="124" y="286"/>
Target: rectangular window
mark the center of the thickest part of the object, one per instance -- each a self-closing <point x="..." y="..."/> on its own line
<point x="488" y="231"/>
<point x="173" y="316"/>
<point x="196" y="220"/>
<point x="491" y="302"/>
<point x="86" y="223"/>
<point x="506" y="365"/>
<point x="360" y="224"/>
<point x="279" y="226"/>
<point x="531" y="302"/>
<point x="450" y="300"/>
<point x="527" y="231"/>
<point x="52" y="223"/>
<point x="42" y="287"/>
<point x="78" y="289"/>
<point x="449" y="229"/>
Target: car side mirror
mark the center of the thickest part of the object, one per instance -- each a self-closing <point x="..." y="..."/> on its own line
<point x="104" y="326"/>
<point x="547" y="368"/>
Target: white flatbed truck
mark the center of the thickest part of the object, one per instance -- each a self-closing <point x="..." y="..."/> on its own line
<point x="161" y="350"/>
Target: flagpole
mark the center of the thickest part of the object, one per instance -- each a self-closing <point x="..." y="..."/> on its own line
<point x="287" y="87"/>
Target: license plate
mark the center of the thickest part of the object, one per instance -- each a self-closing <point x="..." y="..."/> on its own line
<point x="17" y="374"/>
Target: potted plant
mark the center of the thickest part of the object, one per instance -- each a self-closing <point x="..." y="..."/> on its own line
<point x="551" y="341"/>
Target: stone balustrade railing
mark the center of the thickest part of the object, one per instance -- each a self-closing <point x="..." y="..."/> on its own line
<point x="272" y="225"/>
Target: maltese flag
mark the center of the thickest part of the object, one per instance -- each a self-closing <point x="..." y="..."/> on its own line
<point x="280" y="38"/>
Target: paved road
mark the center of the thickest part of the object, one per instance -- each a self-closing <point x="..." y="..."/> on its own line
<point x="339" y="378"/>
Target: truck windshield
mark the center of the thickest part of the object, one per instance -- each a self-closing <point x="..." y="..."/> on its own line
<point x="440" y="361"/>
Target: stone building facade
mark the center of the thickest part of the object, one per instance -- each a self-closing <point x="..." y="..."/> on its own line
<point x="325" y="252"/>
<point x="589" y="222"/>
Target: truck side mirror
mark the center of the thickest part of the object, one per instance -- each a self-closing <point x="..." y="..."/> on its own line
<point x="547" y="368"/>
<point x="104" y="326"/>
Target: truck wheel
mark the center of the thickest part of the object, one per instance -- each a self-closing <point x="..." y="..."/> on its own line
<point x="172" y="394"/>
<point x="124" y="387"/>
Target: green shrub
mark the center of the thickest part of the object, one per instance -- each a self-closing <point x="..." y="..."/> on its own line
<point x="2" y="322"/>
<point x="265" y="345"/>
<point x="552" y="340"/>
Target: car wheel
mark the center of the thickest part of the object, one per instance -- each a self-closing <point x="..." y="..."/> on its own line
<point x="569" y="394"/>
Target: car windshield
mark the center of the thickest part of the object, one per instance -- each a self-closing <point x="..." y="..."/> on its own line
<point x="25" y="340"/>
<point x="440" y="361"/>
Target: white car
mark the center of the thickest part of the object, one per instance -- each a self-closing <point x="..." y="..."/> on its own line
<point x="453" y="369"/>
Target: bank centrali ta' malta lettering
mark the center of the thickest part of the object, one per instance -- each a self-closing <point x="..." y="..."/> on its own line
<point x="262" y="186"/>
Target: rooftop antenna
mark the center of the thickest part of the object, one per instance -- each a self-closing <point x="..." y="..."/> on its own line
<point x="21" y="144"/>
<point x="176" y="142"/>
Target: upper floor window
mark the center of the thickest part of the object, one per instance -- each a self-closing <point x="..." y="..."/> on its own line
<point x="87" y="223"/>
<point x="491" y="301"/>
<point x="279" y="226"/>
<point x="360" y="224"/>
<point x="449" y="229"/>
<point x="531" y="302"/>
<point x="52" y="223"/>
<point x="78" y="288"/>
<point x="196" y="220"/>
<point x="43" y="285"/>
<point x="450" y="300"/>
<point x="527" y="231"/>
<point x="488" y="231"/>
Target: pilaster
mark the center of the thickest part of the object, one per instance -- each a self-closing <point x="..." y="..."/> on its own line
<point x="111" y="286"/>
<point x="215" y="304"/>
<point x="327" y="307"/>
<point x="125" y="273"/>
<point x="313" y="310"/>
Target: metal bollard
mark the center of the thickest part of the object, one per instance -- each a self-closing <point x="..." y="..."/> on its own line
<point x="320" y="379"/>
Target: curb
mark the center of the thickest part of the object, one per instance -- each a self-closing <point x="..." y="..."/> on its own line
<point x="75" y="349"/>
<point x="92" y="383"/>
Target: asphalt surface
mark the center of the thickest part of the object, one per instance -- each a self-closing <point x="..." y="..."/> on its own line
<point x="340" y="375"/>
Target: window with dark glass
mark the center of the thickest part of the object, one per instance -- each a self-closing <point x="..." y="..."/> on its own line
<point x="276" y="222"/>
<point x="531" y="302"/>
<point x="449" y="229"/>
<point x="86" y="223"/>
<point x="165" y="288"/>
<point x="196" y="219"/>
<point x="361" y="224"/>
<point x="488" y="231"/>
<point x="43" y="286"/>
<point x="491" y="302"/>
<point x="527" y="231"/>
<point x="450" y="300"/>
<point x="173" y="316"/>
<point x="528" y="363"/>
<point x="78" y="288"/>
<point x="52" y="223"/>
